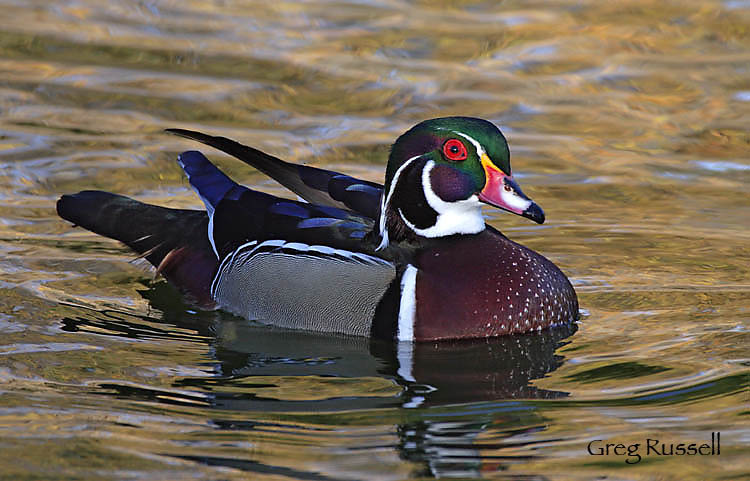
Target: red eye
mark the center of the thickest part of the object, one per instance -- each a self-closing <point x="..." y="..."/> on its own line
<point x="454" y="149"/>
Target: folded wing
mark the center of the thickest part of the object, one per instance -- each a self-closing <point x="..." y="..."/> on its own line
<point x="238" y="215"/>
<point x="300" y="286"/>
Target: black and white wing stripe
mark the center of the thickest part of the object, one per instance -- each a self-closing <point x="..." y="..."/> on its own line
<point x="300" y="286"/>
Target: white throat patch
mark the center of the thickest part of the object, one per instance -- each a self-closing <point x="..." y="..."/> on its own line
<point x="460" y="217"/>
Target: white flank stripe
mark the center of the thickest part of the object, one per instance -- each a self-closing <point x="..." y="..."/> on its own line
<point x="228" y="260"/>
<point x="272" y="243"/>
<point x="297" y="246"/>
<point x="322" y="249"/>
<point x="408" y="307"/>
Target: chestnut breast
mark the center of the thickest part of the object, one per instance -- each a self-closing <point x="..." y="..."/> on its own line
<point x="486" y="285"/>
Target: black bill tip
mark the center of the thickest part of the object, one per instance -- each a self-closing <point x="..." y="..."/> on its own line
<point x="535" y="213"/>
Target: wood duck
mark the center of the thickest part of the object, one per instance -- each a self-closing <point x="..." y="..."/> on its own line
<point x="412" y="260"/>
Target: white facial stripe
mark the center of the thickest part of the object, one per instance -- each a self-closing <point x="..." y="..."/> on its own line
<point x="477" y="145"/>
<point x="514" y="201"/>
<point x="460" y="217"/>
<point x="511" y="199"/>
<point x="386" y="200"/>
<point x="408" y="306"/>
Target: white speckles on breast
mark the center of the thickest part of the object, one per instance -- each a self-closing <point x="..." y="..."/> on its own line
<point x="548" y="294"/>
<point x="489" y="280"/>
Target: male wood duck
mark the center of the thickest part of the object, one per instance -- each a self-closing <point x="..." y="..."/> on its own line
<point x="412" y="260"/>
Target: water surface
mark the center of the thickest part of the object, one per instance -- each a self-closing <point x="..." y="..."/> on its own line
<point x="627" y="122"/>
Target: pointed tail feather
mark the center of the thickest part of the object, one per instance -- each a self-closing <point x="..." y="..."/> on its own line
<point x="212" y="184"/>
<point x="173" y="240"/>
<point x="317" y="186"/>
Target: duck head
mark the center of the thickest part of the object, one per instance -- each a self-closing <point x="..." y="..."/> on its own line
<point x="439" y="174"/>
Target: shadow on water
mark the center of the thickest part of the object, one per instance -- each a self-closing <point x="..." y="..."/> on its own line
<point x="486" y="382"/>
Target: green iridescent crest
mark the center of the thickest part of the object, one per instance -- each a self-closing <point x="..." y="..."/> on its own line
<point x="428" y="139"/>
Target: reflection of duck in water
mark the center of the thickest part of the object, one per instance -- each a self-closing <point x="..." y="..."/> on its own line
<point x="462" y="398"/>
<point x="412" y="260"/>
<point x="430" y="374"/>
<point x="421" y="374"/>
<point x="489" y="378"/>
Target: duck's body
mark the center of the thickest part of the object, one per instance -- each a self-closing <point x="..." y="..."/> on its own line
<point x="510" y="289"/>
<point x="412" y="260"/>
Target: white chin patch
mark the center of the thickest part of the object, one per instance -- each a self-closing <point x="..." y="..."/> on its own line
<point x="460" y="217"/>
<point x="514" y="201"/>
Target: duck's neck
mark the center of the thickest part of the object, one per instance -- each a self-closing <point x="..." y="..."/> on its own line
<point x="410" y="209"/>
